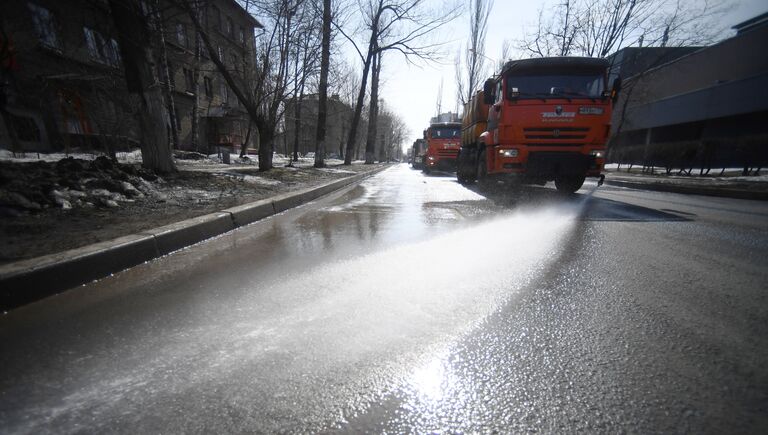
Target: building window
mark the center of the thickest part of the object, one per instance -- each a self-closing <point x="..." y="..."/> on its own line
<point x="208" y="85"/>
<point x="224" y="94"/>
<point x="242" y="35"/>
<point x="90" y="42"/>
<point x="230" y="28"/>
<point x="220" y="52"/>
<point x="45" y="26"/>
<point x="181" y="35"/>
<point x="113" y="54"/>
<point x="101" y="49"/>
<point x="74" y="126"/>
<point x="189" y="80"/>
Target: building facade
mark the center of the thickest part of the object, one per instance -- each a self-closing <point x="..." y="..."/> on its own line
<point x="66" y="85"/>
<point x="206" y="110"/>
<point x="705" y="109"/>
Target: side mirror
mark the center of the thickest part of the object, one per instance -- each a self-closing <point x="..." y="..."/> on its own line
<point x="615" y="89"/>
<point x="488" y="91"/>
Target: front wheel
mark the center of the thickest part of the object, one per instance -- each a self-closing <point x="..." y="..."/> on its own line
<point x="569" y="184"/>
<point x="482" y="171"/>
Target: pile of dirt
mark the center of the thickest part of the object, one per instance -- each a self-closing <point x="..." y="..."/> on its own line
<point x="51" y="207"/>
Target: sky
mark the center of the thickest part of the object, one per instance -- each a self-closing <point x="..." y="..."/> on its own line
<point x="411" y="90"/>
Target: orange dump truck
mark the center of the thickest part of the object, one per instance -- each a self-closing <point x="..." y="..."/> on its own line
<point x="539" y="120"/>
<point x="443" y="141"/>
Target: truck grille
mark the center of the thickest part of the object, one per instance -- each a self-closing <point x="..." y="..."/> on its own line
<point x="556" y="133"/>
<point x="553" y="144"/>
<point x="448" y="153"/>
<point x="558" y="163"/>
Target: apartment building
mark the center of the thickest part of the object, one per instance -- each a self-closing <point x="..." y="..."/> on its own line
<point x="66" y="88"/>
<point x="198" y="89"/>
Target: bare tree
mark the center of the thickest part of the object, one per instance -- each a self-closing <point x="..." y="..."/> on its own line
<point x="392" y="133"/>
<point x="506" y="51"/>
<point x="597" y="28"/>
<point x="471" y="72"/>
<point x="397" y="25"/>
<point x="370" y="143"/>
<point x="133" y="29"/>
<point x="322" y="108"/>
<point x="263" y="88"/>
<point x="344" y="81"/>
<point x="305" y="62"/>
<point x="158" y="29"/>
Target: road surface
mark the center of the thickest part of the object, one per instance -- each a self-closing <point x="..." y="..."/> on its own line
<point x="412" y="304"/>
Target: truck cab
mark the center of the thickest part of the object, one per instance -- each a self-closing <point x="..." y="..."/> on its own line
<point x="548" y="120"/>
<point x="443" y="140"/>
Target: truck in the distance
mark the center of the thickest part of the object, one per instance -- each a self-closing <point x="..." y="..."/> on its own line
<point x="539" y="120"/>
<point x="417" y="153"/>
<point x="443" y="141"/>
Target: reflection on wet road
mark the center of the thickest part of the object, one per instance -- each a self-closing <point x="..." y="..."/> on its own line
<point x="413" y="304"/>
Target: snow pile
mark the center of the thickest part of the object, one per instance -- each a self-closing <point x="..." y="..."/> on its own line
<point x="28" y="187"/>
<point x="133" y="156"/>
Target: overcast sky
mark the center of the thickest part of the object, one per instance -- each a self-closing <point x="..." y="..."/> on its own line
<point x="411" y="91"/>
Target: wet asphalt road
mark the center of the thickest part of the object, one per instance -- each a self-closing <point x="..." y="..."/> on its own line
<point x="412" y="304"/>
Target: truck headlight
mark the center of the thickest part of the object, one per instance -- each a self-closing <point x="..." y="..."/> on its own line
<point x="431" y="158"/>
<point x="508" y="153"/>
<point x="598" y="154"/>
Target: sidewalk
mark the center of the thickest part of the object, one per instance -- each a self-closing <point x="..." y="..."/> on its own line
<point x="731" y="185"/>
<point x="25" y="281"/>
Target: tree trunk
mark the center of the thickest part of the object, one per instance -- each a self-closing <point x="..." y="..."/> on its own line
<point x="322" y="104"/>
<point x="373" y="112"/>
<point x="195" y="139"/>
<point x="156" y="152"/>
<point x="166" y="72"/>
<point x="341" y="139"/>
<point x="265" y="155"/>
<point x="297" y="124"/>
<point x="141" y="79"/>
<point x="372" y="44"/>
<point x="244" y="145"/>
<point x="266" y="139"/>
<point x="358" y="111"/>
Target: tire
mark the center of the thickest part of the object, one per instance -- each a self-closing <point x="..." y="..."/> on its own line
<point x="463" y="178"/>
<point x="482" y="171"/>
<point x="465" y="167"/>
<point x="569" y="185"/>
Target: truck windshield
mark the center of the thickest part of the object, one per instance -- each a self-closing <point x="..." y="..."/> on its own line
<point x="543" y="86"/>
<point x="446" y="132"/>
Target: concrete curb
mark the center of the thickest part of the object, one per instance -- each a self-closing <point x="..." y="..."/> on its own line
<point x="27" y="281"/>
<point x="723" y="192"/>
